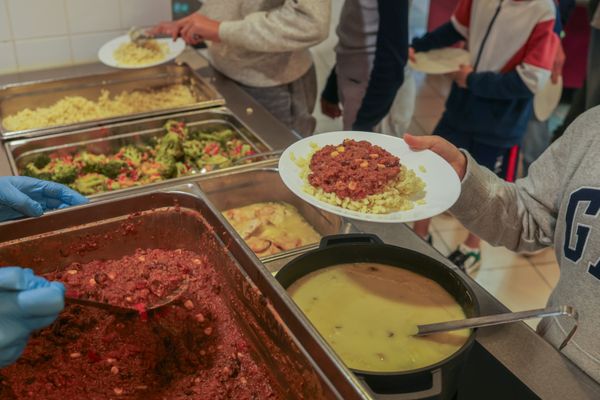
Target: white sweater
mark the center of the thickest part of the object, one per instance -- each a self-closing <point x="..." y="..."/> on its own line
<point x="265" y="42"/>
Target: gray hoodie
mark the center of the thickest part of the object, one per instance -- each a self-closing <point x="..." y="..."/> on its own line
<point x="558" y="205"/>
<point x="265" y="43"/>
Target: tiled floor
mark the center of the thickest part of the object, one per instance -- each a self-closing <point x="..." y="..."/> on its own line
<point x="520" y="282"/>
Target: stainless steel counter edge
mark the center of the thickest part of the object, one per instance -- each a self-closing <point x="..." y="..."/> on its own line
<point x="535" y="362"/>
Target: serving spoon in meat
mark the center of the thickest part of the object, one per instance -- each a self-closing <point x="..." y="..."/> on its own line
<point x="169" y="298"/>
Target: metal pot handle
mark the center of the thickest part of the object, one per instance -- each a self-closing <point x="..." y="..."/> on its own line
<point x="349" y="238"/>
<point x="434" y="391"/>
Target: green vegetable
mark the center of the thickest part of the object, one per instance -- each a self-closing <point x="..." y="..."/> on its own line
<point x="35" y="172"/>
<point x="170" y="145"/>
<point x="167" y="166"/>
<point x="221" y="136"/>
<point x="131" y="154"/>
<point x="171" y="155"/>
<point x="62" y="171"/>
<point x="193" y="149"/>
<point x="90" y="184"/>
<point x="90" y="162"/>
<point x="218" y="159"/>
<point x="112" y="168"/>
<point x="42" y="160"/>
<point x="177" y="127"/>
<point x="181" y="169"/>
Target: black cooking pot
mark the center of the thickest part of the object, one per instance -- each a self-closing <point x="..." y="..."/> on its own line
<point x="438" y="381"/>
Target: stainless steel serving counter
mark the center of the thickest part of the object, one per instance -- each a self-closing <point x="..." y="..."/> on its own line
<point x="509" y="362"/>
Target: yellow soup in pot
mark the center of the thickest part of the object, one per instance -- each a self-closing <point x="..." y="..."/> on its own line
<point x="368" y="313"/>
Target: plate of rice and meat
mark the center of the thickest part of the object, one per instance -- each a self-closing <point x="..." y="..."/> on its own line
<point x="369" y="177"/>
<point x="121" y="52"/>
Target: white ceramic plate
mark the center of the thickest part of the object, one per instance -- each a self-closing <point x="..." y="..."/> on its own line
<point x="546" y="100"/>
<point x="440" y="61"/>
<point x="442" y="184"/>
<point x="105" y="54"/>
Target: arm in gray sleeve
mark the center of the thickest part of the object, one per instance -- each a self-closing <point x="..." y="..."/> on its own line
<point x="520" y="216"/>
<point x="295" y="25"/>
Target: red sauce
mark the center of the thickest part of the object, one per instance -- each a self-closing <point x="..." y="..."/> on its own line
<point x="193" y="349"/>
<point x="353" y="169"/>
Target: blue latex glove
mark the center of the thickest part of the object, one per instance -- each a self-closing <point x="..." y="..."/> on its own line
<point x="27" y="302"/>
<point x="24" y="196"/>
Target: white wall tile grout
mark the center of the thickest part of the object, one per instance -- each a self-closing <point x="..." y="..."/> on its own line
<point x="64" y="4"/>
<point x="12" y="36"/>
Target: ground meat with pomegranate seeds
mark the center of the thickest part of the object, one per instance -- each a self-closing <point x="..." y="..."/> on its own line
<point x="190" y="350"/>
<point x="353" y="169"/>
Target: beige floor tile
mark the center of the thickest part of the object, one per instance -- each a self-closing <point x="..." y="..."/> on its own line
<point x="491" y="257"/>
<point x="326" y="124"/>
<point x="441" y="83"/>
<point x="445" y="222"/>
<point x="415" y="128"/>
<point x="426" y="90"/>
<point x="544" y="257"/>
<point x="550" y="272"/>
<point x="439" y="243"/>
<point x="517" y="288"/>
<point x="428" y="123"/>
<point x="429" y="107"/>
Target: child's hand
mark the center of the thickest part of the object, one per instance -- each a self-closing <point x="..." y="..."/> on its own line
<point x="441" y="147"/>
<point x="411" y="54"/>
<point x="332" y="110"/>
<point x="460" y="76"/>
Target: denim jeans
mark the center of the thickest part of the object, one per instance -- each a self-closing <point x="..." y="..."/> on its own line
<point x="592" y="96"/>
<point x="536" y="140"/>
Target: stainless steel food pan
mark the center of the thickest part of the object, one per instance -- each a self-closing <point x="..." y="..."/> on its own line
<point x="281" y="339"/>
<point x="241" y="188"/>
<point x="14" y="98"/>
<point x="110" y="138"/>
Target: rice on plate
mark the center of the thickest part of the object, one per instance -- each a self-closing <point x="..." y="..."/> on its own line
<point x="132" y="54"/>
<point x="402" y="191"/>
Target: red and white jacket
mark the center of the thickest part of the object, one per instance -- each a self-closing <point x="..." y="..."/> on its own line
<point x="527" y="43"/>
<point x="512" y="45"/>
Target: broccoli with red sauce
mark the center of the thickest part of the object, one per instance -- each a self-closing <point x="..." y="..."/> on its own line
<point x="179" y="152"/>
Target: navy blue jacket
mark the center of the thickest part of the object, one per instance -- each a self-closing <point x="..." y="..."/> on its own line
<point x="494" y="108"/>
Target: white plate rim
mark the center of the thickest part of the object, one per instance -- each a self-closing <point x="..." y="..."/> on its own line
<point x="105" y="53"/>
<point x="337" y="137"/>
<point x="428" y="71"/>
<point x="552" y="90"/>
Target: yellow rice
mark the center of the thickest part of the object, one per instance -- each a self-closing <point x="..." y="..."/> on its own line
<point x="401" y="194"/>
<point x="73" y="109"/>
<point x="131" y="54"/>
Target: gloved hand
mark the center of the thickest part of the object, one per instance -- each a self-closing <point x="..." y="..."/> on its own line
<point x="27" y="302"/>
<point x="24" y="196"/>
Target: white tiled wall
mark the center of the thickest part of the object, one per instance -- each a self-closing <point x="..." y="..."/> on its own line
<point x="36" y="34"/>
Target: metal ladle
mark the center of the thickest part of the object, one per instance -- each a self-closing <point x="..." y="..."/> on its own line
<point x="115" y="309"/>
<point x="497" y="319"/>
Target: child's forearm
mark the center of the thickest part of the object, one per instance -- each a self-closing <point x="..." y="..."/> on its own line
<point x="444" y="36"/>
